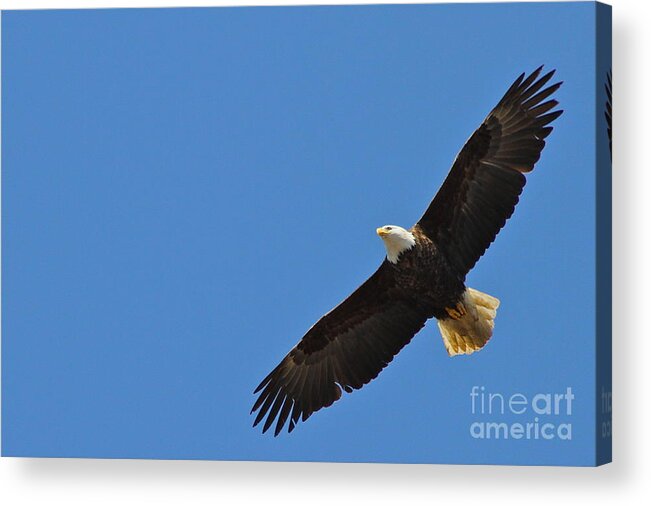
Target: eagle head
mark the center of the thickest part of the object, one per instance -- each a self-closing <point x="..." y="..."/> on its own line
<point x="396" y="240"/>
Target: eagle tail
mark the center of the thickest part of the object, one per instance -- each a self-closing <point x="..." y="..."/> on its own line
<point x="469" y="332"/>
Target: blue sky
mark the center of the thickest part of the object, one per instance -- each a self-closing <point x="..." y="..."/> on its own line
<point x="185" y="191"/>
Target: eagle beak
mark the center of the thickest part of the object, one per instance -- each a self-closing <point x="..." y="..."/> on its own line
<point x="381" y="232"/>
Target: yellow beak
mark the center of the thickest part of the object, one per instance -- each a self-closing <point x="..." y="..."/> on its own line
<point x="381" y="232"/>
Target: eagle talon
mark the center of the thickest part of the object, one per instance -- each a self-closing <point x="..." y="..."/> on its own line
<point x="457" y="312"/>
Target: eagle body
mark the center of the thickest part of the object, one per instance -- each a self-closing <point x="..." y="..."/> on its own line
<point x="423" y="275"/>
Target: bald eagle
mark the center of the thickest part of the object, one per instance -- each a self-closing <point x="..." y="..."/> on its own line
<point x="423" y="274"/>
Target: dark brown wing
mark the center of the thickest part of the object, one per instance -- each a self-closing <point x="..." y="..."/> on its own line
<point x="346" y="348"/>
<point x="485" y="182"/>
<point x="609" y="111"/>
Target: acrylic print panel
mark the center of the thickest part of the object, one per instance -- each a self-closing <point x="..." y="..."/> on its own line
<point x="186" y="191"/>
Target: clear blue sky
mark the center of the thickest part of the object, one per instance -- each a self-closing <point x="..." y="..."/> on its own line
<point x="185" y="191"/>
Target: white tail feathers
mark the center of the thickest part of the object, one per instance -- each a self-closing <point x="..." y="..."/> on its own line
<point x="471" y="331"/>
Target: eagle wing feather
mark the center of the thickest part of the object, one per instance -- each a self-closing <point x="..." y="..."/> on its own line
<point x="484" y="185"/>
<point x="345" y="349"/>
<point x="609" y="111"/>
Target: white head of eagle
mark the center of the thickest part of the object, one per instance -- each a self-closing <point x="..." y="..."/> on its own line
<point x="396" y="240"/>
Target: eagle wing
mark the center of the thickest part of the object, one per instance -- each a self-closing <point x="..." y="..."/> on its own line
<point x="609" y="111"/>
<point x="345" y="349"/>
<point x="487" y="177"/>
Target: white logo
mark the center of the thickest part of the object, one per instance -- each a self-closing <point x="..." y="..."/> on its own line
<point x="544" y="415"/>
